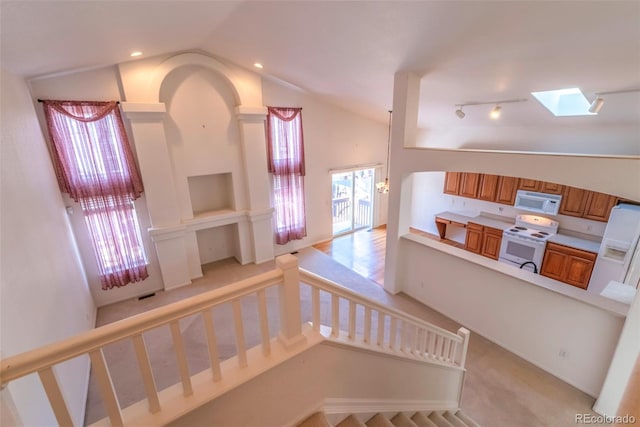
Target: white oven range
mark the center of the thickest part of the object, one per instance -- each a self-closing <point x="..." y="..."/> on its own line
<point x="523" y="244"/>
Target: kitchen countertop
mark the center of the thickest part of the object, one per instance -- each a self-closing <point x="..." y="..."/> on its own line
<point x="564" y="237"/>
<point x="477" y="219"/>
<point x="575" y="242"/>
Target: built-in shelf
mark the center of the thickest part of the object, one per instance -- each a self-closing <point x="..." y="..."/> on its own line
<point x="213" y="192"/>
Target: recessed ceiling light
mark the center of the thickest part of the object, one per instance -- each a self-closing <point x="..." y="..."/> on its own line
<point x="565" y="102"/>
<point x="258" y="65"/>
<point x="136" y="53"/>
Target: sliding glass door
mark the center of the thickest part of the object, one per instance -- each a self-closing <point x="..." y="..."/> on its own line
<point x="352" y="200"/>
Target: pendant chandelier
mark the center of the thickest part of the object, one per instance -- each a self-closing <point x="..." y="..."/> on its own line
<point x="383" y="187"/>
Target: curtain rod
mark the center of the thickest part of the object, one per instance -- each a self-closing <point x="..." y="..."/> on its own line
<point x="42" y="100"/>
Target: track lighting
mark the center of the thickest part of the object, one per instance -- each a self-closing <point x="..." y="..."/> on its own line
<point x="495" y="112"/>
<point x="597" y="103"/>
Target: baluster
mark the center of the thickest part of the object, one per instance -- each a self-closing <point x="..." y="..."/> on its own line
<point x="315" y="302"/>
<point x="335" y="315"/>
<point x="404" y="329"/>
<point x="423" y="342"/>
<point x="352" y="320"/>
<point x="439" y="345"/>
<point x="416" y="340"/>
<point x="212" y="344"/>
<point x="56" y="399"/>
<point x="452" y="352"/>
<point x="432" y="344"/>
<point x="367" y="325"/>
<point x="108" y="393"/>
<point x="381" y="316"/>
<point x="147" y="375"/>
<point x="264" y="322"/>
<point x="392" y="333"/>
<point x="445" y="350"/>
<point x="239" y="327"/>
<point x="181" y="356"/>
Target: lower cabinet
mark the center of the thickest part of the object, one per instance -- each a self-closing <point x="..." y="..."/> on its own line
<point x="569" y="265"/>
<point x="483" y="240"/>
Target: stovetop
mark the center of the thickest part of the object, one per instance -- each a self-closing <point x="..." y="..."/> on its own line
<point x="532" y="227"/>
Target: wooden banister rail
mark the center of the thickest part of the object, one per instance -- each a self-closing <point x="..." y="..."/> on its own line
<point x="52" y="354"/>
<point x="418" y="339"/>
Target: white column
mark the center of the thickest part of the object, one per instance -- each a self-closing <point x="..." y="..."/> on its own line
<point x="406" y="91"/>
<point x="254" y="152"/>
<point x="167" y="232"/>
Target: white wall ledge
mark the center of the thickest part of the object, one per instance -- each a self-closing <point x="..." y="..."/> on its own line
<point x="617" y="308"/>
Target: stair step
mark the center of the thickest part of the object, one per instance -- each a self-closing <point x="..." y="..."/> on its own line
<point x="421" y="420"/>
<point x="439" y="420"/>
<point x="316" y="420"/>
<point x="453" y="420"/>
<point x="465" y="419"/>
<point x="401" y="420"/>
<point x="379" y="420"/>
<point x="351" y="421"/>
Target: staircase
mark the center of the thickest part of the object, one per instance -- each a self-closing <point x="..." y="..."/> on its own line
<point x="361" y="356"/>
<point x="400" y="419"/>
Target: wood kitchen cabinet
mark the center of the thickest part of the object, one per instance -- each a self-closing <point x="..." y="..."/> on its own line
<point x="507" y="188"/>
<point x="573" y="201"/>
<point x="469" y="183"/>
<point x="488" y="187"/>
<point x="598" y="206"/>
<point x="473" y="240"/>
<point x="529" y="184"/>
<point x="551" y="188"/>
<point x="483" y="240"/>
<point x="452" y="183"/>
<point x="569" y="265"/>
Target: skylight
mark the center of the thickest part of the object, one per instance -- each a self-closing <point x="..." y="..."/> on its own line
<point x="564" y="102"/>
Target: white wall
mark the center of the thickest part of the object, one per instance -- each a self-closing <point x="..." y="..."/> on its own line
<point x="334" y="138"/>
<point x="45" y="296"/>
<point x="526" y="319"/>
<point x="98" y="85"/>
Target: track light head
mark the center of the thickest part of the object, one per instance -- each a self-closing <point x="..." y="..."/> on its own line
<point x="495" y="113"/>
<point x="596" y="105"/>
<point x="460" y="113"/>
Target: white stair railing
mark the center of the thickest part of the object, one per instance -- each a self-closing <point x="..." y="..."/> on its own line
<point x="384" y="328"/>
<point x="417" y="339"/>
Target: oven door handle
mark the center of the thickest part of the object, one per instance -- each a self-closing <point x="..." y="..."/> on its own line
<point x="535" y="267"/>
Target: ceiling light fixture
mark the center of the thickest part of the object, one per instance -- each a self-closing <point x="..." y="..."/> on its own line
<point x="383" y="186"/>
<point x="258" y="65"/>
<point x="596" y="105"/>
<point x="495" y="112"/>
<point x="136" y="53"/>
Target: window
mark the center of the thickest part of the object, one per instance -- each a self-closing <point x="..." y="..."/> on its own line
<point x="94" y="164"/>
<point x="286" y="164"/>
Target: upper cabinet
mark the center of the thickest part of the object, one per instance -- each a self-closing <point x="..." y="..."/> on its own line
<point x="573" y="201"/>
<point x="502" y="189"/>
<point x="452" y="183"/>
<point x="529" y="184"/>
<point x="469" y="183"/>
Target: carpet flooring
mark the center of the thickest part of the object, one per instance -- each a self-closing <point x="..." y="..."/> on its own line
<point x="501" y="389"/>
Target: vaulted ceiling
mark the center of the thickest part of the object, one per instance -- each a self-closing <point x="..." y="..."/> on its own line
<point x="347" y="52"/>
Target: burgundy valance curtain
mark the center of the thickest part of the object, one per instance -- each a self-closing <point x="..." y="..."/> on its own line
<point x="285" y="156"/>
<point x="286" y="142"/>
<point x="94" y="163"/>
<point x="93" y="167"/>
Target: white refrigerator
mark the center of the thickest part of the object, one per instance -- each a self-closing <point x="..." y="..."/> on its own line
<point x="618" y="258"/>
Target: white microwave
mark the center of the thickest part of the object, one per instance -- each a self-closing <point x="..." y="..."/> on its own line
<point x="538" y="202"/>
